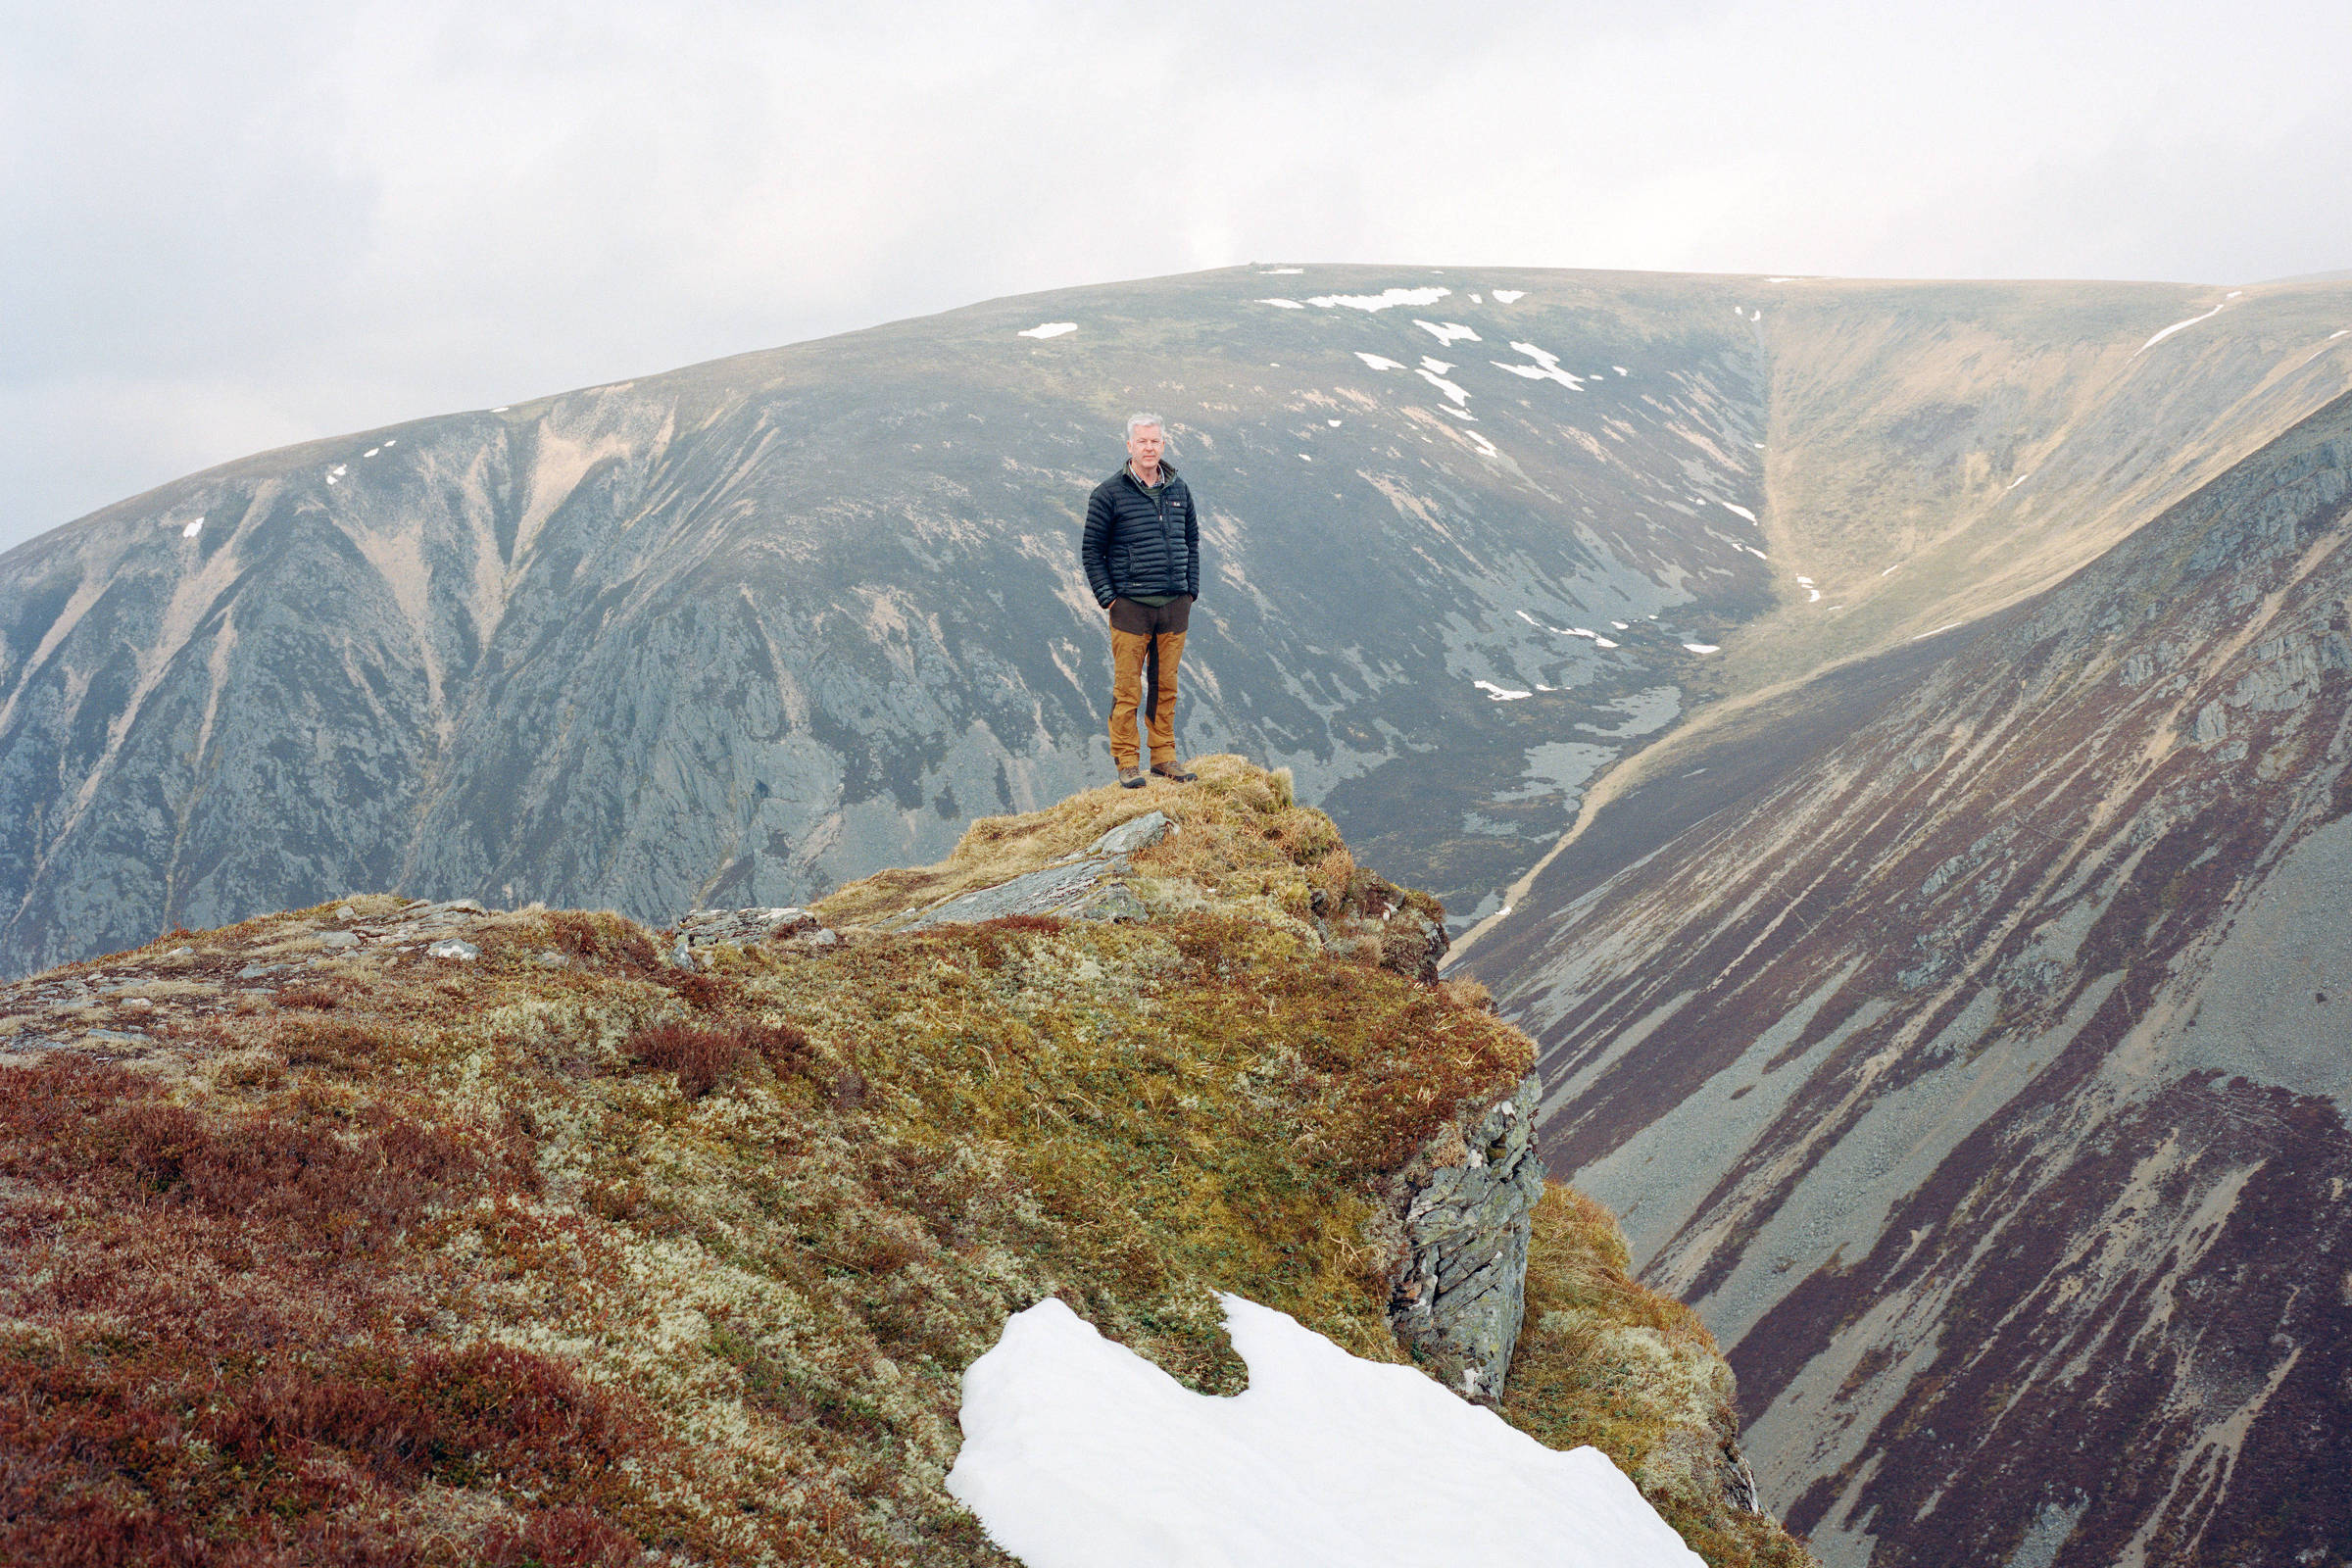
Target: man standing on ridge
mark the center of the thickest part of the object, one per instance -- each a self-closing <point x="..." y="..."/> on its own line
<point x="1141" y="550"/>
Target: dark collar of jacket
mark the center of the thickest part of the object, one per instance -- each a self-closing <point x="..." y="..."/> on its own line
<point x="1167" y="474"/>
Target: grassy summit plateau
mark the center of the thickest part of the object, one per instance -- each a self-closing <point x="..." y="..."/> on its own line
<point x="318" y="1248"/>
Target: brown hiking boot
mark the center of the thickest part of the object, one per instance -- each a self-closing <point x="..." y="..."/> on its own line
<point x="1173" y="772"/>
<point x="1131" y="778"/>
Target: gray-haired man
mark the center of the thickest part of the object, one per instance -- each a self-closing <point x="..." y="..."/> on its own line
<point x="1142" y="548"/>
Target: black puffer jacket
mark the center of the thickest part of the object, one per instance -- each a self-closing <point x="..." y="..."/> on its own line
<point x="1135" y="547"/>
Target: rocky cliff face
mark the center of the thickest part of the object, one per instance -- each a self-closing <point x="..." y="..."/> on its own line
<point x="1966" y="1036"/>
<point x="1465" y="1206"/>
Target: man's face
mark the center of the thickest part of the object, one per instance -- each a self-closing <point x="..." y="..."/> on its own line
<point x="1144" y="444"/>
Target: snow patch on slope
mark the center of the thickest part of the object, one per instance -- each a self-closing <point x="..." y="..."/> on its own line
<point x="1078" y="1452"/>
<point x="1380" y="301"/>
<point x="2177" y="327"/>
<point x="1446" y="332"/>
<point x="1545" y="368"/>
<point x="1048" y="330"/>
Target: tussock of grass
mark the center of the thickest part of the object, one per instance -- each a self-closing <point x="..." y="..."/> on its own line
<point x="1239" y="835"/>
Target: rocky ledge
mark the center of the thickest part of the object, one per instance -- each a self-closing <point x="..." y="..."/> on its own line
<point x="1461" y="1216"/>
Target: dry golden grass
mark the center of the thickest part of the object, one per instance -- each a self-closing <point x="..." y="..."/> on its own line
<point x="1239" y="835"/>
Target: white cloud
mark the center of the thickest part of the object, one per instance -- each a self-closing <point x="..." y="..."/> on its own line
<point x="237" y="228"/>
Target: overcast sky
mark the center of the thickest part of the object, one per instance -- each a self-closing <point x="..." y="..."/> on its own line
<point x="227" y="227"/>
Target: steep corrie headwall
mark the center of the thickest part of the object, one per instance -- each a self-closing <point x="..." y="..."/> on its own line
<point x="1976" y="1063"/>
<point x="740" y="632"/>
<point x="434" y="1234"/>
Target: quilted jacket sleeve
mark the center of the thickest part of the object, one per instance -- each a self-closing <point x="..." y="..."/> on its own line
<point x="1192" y="543"/>
<point x="1094" y="547"/>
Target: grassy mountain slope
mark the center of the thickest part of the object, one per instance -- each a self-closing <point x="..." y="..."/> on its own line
<point x="1967" y="1038"/>
<point x="752" y="628"/>
<point x="321" y="1246"/>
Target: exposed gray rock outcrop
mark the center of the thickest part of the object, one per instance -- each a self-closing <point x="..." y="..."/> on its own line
<point x="1087" y="886"/>
<point x="1462" y="1221"/>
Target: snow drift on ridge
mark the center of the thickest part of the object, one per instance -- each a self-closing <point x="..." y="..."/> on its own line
<point x="1079" y="1453"/>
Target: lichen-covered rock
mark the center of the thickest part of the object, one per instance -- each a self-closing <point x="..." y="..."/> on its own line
<point x="1073" y="890"/>
<point x="1461" y="1226"/>
<point x="704" y="928"/>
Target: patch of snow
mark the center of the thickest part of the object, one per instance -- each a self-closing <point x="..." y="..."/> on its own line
<point x="1446" y="332"/>
<point x="1048" y="330"/>
<point x="1380" y="301"/>
<point x="2170" y="331"/>
<point x="1779" y="280"/>
<point x="389" y="445"/>
<point x="1439" y="365"/>
<point x="371" y="451"/>
<point x="1284" y="305"/>
<point x="1938" y="632"/>
<point x="2342" y="332"/>
<point x="1816" y="593"/>
<point x="2233" y="294"/>
<point x="1740" y="511"/>
<point x="1282" y="271"/>
<point x="1451" y="391"/>
<point x="1530" y="620"/>
<point x="1705" y="648"/>
<point x="1484" y="445"/>
<point x="1506" y="295"/>
<point x="1602" y="642"/>
<point x="194" y="527"/>
<point x="1620" y="625"/>
<point x="1334" y="423"/>
<point x="1621" y="369"/>
<point x="1805" y="581"/>
<point x="2020" y="479"/>
<point x="1475" y="300"/>
<point x="1755" y="316"/>
<point x="1545" y="368"/>
<point x="1499" y="694"/>
<point x="1753" y="551"/>
<point x="501" y="409"/>
<point x="1304" y="458"/>
<point x="1891" y="570"/>
<point x="1377" y="362"/>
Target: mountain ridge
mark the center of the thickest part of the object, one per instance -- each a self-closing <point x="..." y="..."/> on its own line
<point x="632" y="515"/>
<point x="449" y="1235"/>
